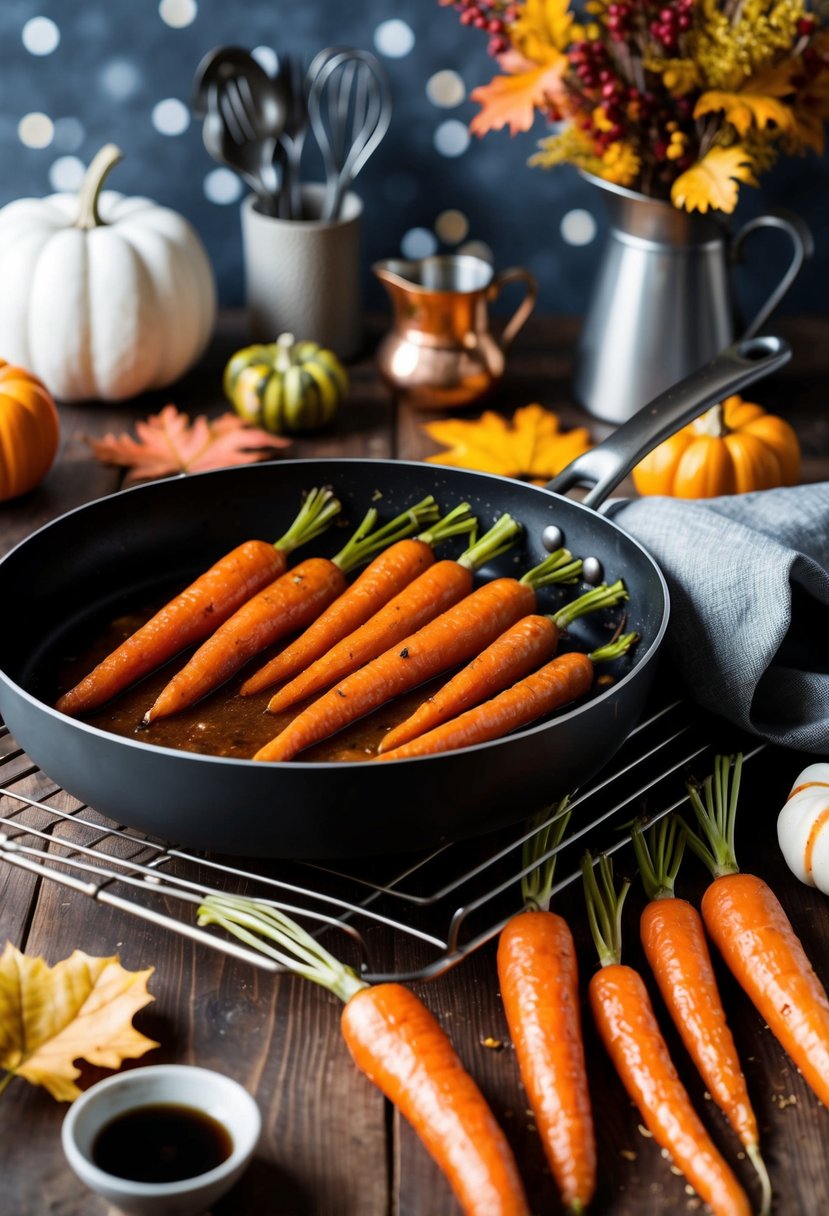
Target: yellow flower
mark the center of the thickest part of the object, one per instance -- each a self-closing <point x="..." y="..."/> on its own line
<point x="620" y="163"/>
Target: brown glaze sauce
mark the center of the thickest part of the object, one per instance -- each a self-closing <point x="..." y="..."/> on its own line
<point x="223" y="723"/>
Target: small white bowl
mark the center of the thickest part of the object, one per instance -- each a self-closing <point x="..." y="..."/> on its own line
<point x="209" y="1092"/>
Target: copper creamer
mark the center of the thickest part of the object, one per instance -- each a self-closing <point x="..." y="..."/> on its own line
<point x="440" y="353"/>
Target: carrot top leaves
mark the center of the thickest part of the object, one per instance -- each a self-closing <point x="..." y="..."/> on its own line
<point x="604" y="907"/>
<point x="315" y="514"/>
<point x="715" y="806"/>
<point x="459" y="521"/>
<point x="500" y="537"/>
<point x="539" y="856"/>
<point x="367" y="541"/>
<point x="615" y="649"/>
<point x="253" y="920"/>
<point x="599" y="597"/>
<point x="557" y="567"/>
<point x="659" y="854"/>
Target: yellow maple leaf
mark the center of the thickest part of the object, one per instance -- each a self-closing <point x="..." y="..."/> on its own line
<point x="512" y="100"/>
<point x="714" y="181"/>
<point x="530" y="445"/>
<point x="80" y="1009"/>
<point x="746" y="110"/>
<point x="542" y="29"/>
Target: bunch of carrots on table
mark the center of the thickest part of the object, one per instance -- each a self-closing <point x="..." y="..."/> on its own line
<point x="400" y="1046"/>
<point x="406" y="618"/>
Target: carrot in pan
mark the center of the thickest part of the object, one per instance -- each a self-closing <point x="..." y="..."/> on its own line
<point x="384" y="578"/>
<point x="538" y="974"/>
<point x="754" y="935"/>
<point x="402" y="1049"/>
<point x="628" y="1028"/>
<point x="565" y="678"/>
<point x="288" y="604"/>
<point x="200" y="609"/>
<point x="523" y="648"/>
<point x="449" y="639"/>
<point x="673" y="938"/>
<point x="431" y="593"/>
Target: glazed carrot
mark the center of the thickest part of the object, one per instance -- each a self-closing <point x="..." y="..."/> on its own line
<point x="628" y="1028"/>
<point x="754" y="935"/>
<point x="431" y="593"/>
<point x="402" y="1049"/>
<point x="673" y="938"/>
<point x="521" y="649"/>
<point x="285" y="606"/>
<point x="449" y="639"/>
<point x="200" y="609"/>
<point x="538" y="974"/>
<point x="384" y="578"/>
<point x="566" y="678"/>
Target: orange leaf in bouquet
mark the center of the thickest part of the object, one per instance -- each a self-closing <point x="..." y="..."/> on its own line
<point x="80" y="1009"/>
<point x="530" y="445"/>
<point x="512" y="100"/>
<point x="170" y="443"/>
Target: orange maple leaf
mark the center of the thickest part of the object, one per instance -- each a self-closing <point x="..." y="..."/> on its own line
<point x="170" y="443"/>
<point x="530" y="445"/>
<point x="512" y="100"/>
<point x="80" y="1009"/>
<point x="714" y="181"/>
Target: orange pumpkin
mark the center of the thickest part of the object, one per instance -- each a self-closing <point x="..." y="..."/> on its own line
<point x="29" y="431"/>
<point x="735" y="447"/>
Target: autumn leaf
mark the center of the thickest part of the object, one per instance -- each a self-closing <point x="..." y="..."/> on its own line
<point x="512" y="100"/>
<point x="713" y="181"/>
<point x="80" y="1009"/>
<point x="170" y="443"/>
<point x="542" y="29"/>
<point x="529" y="445"/>
<point x="746" y="110"/>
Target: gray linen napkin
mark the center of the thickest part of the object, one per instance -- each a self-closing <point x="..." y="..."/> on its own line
<point x="749" y="583"/>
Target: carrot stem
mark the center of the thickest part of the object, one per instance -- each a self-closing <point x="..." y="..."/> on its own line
<point x="557" y="567"/>
<point x="659" y="857"/>
<point x="368" y="540"/>
<point x="500" y="537"/>
<point x="604" y="908"/>
<point x="252" y="920"/>
<point x="539" y="854"/>
<point x="312" y="519"/>
<point x="716" y="811"/>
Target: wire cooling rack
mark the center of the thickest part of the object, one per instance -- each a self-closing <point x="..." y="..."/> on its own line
<point x="451" y="900"/>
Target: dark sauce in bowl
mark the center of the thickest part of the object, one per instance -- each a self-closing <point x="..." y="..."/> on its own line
<point x="161" y="1142"/>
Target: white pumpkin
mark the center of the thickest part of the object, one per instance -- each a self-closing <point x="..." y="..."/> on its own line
<point x="803" y="827"/>
<point x="103" y="296"/>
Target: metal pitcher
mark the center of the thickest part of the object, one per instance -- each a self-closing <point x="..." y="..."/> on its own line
<point x="440" y="353"/>
<point x="663" y="303"/>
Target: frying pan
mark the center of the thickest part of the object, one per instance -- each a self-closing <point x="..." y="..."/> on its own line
<point x="93" y="563"/>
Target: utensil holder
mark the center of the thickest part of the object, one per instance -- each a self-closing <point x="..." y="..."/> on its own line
<point x="304" y="276"/>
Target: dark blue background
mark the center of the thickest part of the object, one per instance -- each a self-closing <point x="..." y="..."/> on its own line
<point x="516" y="211"/>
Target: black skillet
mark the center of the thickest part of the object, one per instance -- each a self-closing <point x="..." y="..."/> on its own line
<point x="94" y="562"/>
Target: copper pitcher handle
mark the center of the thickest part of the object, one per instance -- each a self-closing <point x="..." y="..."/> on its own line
<point x="799" y="234"/>
<point x="514" y="274"/>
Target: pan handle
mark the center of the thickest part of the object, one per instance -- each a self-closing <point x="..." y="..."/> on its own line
<point x="604" y="466"/>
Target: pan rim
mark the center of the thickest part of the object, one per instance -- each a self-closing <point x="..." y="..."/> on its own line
<point x="641" y="660"/>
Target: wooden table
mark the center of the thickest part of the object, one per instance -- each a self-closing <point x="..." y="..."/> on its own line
<point x="330" y="1144"/>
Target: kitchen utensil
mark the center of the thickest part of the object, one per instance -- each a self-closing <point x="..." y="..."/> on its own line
<point x="440" y="353"/>
<point x="246" y="111"/>
<point x="663" y="299"/>
<point x="127" y="549"/>
<point x="349" y="106"/>
<point x="216" y="65"/>
<point x="292" y="137"/>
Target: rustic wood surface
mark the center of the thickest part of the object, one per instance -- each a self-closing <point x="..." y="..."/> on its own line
<point x="331" y="1146"/>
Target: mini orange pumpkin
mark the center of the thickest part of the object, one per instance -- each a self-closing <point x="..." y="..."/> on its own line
<point x="734" y="447"/>
<point x="29" y="431"/>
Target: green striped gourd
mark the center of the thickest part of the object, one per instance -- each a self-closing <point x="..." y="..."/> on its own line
<point x="286" y="386"/>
